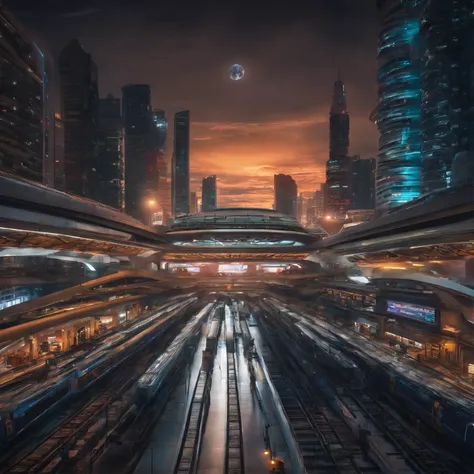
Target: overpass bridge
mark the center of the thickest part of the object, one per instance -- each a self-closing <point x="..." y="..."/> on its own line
<point x="37" y="217"/>
<point x="434" y="227"/>
<point x="34" y="217"/>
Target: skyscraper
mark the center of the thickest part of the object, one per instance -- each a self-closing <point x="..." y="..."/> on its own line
<point x="136" y="114"/>
<point x="58" y="146"/>
<point x="303" y="205"/>
<point x="159" y="132"/>
<point x="362" y="183"/>
<point x="324" y="197"/>
<point x="159" y="128"/>
<point x="24" y="110"/>
<point x="338" y="165"/>
<point x="79" y="105"/>
<point x="286" y="194"/>
<point x="180" y="174"/>
<point x="398" y="112"/>
<point x="447" y="80"/>
<point x="194" y="203"/>
<point x="110" y="166"/>
<point x="209" y="193"/>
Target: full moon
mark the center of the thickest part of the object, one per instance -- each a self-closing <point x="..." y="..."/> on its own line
<point x="236" y="72"/>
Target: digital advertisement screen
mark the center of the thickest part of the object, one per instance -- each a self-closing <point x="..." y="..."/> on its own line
<point x="193" y="269"/>
<point x="232" y="268"/>
<point x="424" y="314"/>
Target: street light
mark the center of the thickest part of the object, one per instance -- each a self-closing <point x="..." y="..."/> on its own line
<point x="151" y="204"/>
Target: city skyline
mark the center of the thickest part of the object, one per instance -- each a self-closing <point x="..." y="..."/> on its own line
<point x="244" y="132"/>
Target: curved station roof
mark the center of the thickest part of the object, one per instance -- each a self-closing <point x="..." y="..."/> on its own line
<point x="240" y="228"/>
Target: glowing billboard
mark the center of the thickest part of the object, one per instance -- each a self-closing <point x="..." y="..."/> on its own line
<point x="424" y="314"/>
<point x="233" y="268"/>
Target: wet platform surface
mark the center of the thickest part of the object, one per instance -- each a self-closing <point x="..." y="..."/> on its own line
<point x="212" y="459"/>
<point x="253" y="420"/>
<point x="278" y="444"/>
<point x="162" y="452"/>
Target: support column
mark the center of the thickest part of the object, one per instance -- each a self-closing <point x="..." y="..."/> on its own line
<point x="32" y="347"/>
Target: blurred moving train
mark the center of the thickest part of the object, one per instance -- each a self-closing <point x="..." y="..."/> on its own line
<point x="153" y="379"/>
<point x="428" y="397"/>
<point x="20" y="408"/>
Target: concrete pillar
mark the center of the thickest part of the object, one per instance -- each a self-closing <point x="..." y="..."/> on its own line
<point x="69" y="338"/>
<point x="32" y="347"/>
<point x="60" y="337"/>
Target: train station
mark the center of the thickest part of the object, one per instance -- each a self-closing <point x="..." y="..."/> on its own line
<point x="238" y="341"/>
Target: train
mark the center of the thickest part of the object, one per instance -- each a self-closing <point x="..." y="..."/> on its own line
<point x="452" y="416"/>
<point x="152" y="380"/>
<point x="332" y="358"/>
<point x="22" y="407"/>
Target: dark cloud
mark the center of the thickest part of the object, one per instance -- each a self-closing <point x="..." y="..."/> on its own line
<point x="276" y="118"/>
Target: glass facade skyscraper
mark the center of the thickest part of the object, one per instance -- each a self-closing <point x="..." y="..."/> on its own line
<point x="24" y="112"/>
<point x="398" y="175"/>
<point x="209" y="193"/>
<point x="447" y="83"/>
<point x="159" y="129"/>
<point x="286" y="194"/>
<point x="362" y="183"/>
<point x="110" y="166"/>
<point x="180" y="175"/>
<point x="136" y="114"/>
<point x="338" y="165"/>
<point x="79" y="105"/>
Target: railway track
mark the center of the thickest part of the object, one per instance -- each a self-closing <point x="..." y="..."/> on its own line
<point x="321" y="448"/>
<point x="52" y="452"/>
<point x="40" y="458"/>
<point x="417" y="453"/>
<point x="234" y="463"/>
<point x="188" y="457"/>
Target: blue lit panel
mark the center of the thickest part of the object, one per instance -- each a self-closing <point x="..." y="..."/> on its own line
<point x="446" y="113"/>
<point x="398" y="174"/>
<point x="424" y="314"/>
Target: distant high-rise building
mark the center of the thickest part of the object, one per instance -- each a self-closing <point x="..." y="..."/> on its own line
<point x="324" y="197"/>
<point x="158" y="136"/>
<point x="58" y="146"/>
<point x="159" y="129"/>
<point x="164" y="186"/>
<point x="447" y="84"/>
<point x="338" y="165"/>
<point x="209" y="193"/>
<point x="398" y="112"/>
<point x="180" y="170"/>
<point x="25" y="110"/>
<point x="79" y="105"/>
<point x="303" y="205"/>
<point x="194" y="203"/>
<point x="136" y="118"/>
<point x="363" y="183"/>
<point x="286" y="194"/>
<point x="319" y="203"/>
<point x="110" y="164"/>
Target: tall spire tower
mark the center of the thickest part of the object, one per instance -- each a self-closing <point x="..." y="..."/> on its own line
<point x="338" y="165"/>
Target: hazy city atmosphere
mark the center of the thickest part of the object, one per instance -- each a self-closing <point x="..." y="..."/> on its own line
<point x="237" y="238"/>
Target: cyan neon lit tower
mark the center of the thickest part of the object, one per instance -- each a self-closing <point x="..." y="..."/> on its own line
<point x="447" y="91"/>
<point x="398" y="175"/>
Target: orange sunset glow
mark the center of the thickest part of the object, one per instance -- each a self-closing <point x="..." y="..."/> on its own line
<point x="274" y="120"/>
<point x="245" y="156"/>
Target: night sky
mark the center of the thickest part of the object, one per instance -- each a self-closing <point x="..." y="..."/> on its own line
<point x="273" y="121"/>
